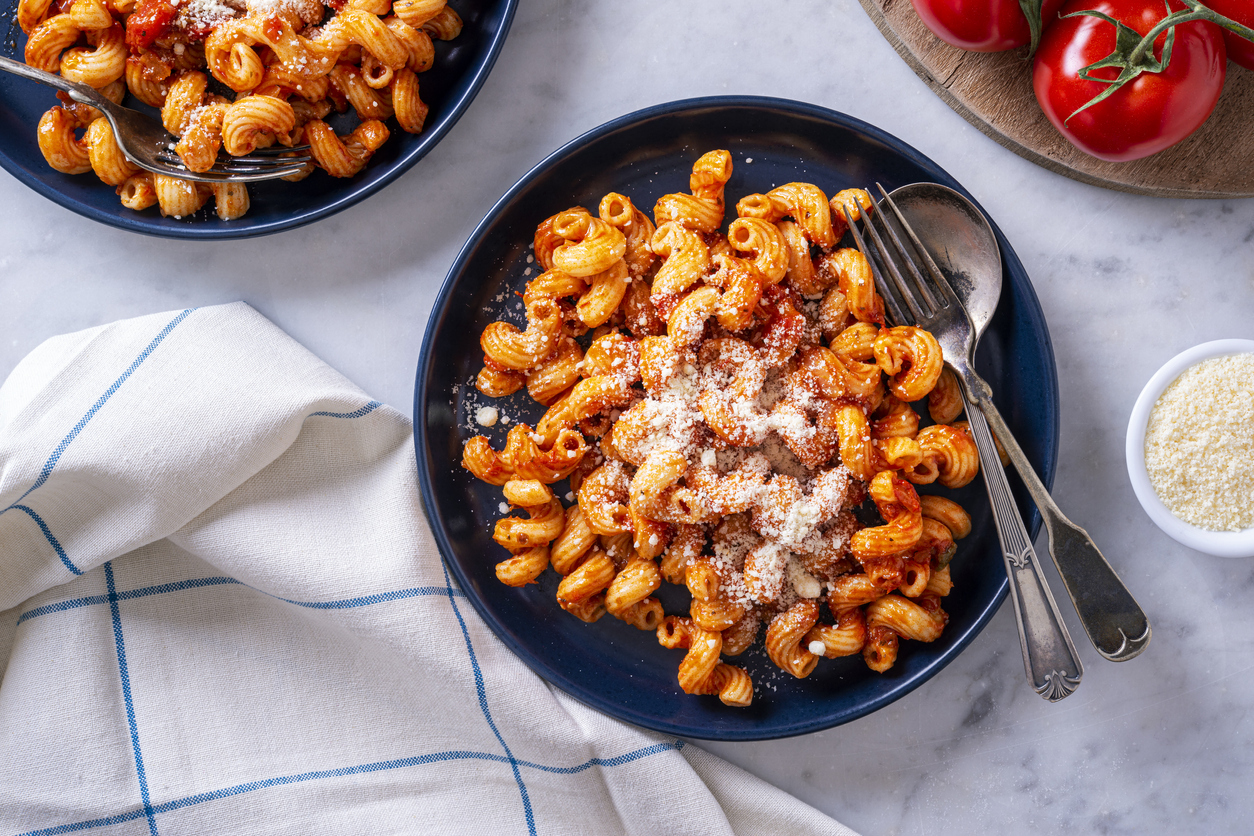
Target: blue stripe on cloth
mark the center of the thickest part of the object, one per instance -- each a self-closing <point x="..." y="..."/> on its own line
<point x="62" y="606"/>
<point x="357" y="413"/>
<point x="51" y="463"/>
<point x="43" y="526"/>
<point x="483" y="706"/>
<point x="126" y="696"/>
<point x="657" y="748"/>
<point x="91" y="413"/>
<point x="377" y="766"/>
<point x="378" y="598"/>
<point x="47" y="532"/>
<point x="194" y="583"/>
<point x="87" y="825"/>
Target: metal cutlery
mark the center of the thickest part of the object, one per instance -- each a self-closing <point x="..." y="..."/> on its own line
<point x="1114" y="622"/>
<point x="1050" y="660"/>
<point x="149" y="146"/>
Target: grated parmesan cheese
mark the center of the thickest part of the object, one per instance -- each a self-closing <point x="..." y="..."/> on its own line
<point x="486" y="416"/>
<point x="803" y="583"/>
<point x="1199" y="444"/>
<point x="201" y="16"/>
<point x="789" y="523"/>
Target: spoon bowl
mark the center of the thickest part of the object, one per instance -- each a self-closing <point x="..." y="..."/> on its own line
<point x="959" y="239"/>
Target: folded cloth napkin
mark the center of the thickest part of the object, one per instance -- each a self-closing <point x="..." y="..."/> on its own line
<point x="221" y="612"/>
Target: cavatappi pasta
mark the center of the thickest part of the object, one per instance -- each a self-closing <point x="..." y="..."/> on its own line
<point x="233" y="76"/>
<point x="720" y="403"/>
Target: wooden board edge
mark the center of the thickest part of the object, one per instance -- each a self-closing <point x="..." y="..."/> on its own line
<point x="881" y="23"/>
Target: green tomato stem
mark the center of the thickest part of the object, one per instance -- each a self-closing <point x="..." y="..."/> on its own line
<point x="1140" y="58"/>
<point x="1197" y="12"/>
<point x="1032" y="10"/>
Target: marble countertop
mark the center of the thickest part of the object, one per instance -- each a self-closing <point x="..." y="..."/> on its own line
<point x="1162" y="742"/>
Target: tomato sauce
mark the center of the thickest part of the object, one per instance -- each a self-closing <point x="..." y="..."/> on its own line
<point x="151" y="20"/>
<point x="273" y="28"/>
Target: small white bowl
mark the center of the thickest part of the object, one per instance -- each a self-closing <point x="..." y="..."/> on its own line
<point x="1218" y="543"/>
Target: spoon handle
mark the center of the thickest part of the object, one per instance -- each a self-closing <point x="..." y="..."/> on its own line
<point x="1115" y="623"/>
<point x="1052" y="664"/>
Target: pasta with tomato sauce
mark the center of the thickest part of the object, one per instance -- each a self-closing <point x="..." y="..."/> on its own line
<point x="232" y="76"/>
<point x="721" y="404"/>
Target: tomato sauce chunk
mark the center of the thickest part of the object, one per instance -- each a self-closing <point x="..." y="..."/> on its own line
<point x="152" y="19"/>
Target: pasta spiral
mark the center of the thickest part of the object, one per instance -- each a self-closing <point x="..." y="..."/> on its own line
<point x="721" y="403"/>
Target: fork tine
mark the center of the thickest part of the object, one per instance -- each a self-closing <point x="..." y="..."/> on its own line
<point x="939" y="282"/>
<point x="276" y="150"/>
<point x="219" y="173"/>
<point x="890" y="300"/>
<point x="256" y="175"/>
<point x="256" y="153"/>
<point x="260" y="174"/>
<point x="241" y="164"/>
<point x="920" y="283"/>
<point x="264" y="161"/>
<point x="898" y="287"/>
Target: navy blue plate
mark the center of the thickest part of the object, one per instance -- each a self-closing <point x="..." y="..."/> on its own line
<point x="609" y="665"/>
<point x="461" y="65"/>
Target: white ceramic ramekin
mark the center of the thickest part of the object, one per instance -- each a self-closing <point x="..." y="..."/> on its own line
<point x="1218" y="543"/>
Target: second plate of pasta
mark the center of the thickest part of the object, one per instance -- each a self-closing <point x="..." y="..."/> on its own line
<point x="610" y="664"/>
<point x="307" y="103"/>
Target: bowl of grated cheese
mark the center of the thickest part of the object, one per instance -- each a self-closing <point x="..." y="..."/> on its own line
<point x="1190" y="448"/>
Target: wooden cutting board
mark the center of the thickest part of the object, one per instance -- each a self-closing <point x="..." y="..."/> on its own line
<point x="993" y="91"/>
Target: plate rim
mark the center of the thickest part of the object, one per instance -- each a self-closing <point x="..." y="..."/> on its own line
<point x="138" y="223"/>
<point x="440" y="309"/>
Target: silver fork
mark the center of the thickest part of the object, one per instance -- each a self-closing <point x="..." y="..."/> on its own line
<point x="148" y="145"/>
<point x="1049" y="657"/>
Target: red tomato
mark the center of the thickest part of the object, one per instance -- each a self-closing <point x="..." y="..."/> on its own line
<point x="1149" y="113"/>
<point x="981" y="25"/>
<point x="1242" y="11"/>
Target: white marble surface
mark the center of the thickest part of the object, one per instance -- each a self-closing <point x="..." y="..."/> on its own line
<point x="1159" y="744"/>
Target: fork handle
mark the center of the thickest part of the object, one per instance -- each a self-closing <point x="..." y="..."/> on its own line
<point x="80" y="93"/>
<point x="1049" y="657"/>
<point x="1115" y="623"/>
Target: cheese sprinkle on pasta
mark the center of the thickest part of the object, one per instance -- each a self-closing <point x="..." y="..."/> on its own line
<point x="1199" y="444"/>
<point x="232" y="76"/>
<point x="720" y="403"/>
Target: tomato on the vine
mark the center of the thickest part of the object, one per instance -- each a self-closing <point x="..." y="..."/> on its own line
<point x="1152" y="111"/>
<point x="1242" y="11"/>
<point x="981" y="25"/>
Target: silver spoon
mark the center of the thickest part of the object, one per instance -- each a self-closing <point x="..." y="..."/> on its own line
<point x="964" y="247"/>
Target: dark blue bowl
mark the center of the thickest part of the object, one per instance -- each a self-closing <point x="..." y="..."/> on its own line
<point x="609" y="665"/>
<point x="461" y="65"/>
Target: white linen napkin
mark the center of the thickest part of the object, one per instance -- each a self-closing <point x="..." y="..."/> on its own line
<point x="222" y="612"/>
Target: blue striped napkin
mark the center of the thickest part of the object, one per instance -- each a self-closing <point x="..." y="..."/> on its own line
<point x="221" y="612"/>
